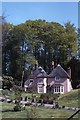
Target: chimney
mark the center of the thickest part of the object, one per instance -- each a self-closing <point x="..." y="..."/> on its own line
<point x="36" y="65"/>
<point x="69" y="71"/>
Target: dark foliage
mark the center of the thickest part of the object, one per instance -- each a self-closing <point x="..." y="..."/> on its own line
<point x="17" y="107"/>
<point x="75" y="72"/>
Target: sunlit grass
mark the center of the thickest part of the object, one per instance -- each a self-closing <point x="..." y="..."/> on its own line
<point x="70" y="99"/>
<point x="8" y="112"/>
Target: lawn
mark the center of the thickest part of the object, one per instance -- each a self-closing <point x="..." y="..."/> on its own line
<point x="70" y="99"/>
<point x="8" y="112"/>
<point x="11" y="94"/>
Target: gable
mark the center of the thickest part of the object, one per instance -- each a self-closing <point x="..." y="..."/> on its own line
<point x="39" y="72"/>
<point x="59" y="71"/>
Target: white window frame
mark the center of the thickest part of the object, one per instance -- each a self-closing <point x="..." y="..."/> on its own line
<point x="40" y="89"/>
<point x="58" y="89"/>
<point x="62" y="89"/>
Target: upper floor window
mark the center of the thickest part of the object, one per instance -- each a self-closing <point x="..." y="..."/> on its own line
<point x="40" y="81"/>
<point x="57" y="78"/>
<point x="31" y="80"/>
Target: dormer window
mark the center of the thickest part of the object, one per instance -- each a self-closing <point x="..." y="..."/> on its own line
<point x="57" y="78"/>
<point x="31" y="80"/>
<point x="40" y="81"/>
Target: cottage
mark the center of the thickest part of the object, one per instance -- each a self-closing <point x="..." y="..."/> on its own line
<point x="37" y="81"/>
<point x="58" y="81"/>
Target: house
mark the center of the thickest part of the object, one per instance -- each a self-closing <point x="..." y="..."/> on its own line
<point x="37" y="81"/>
<point x="58" y="81"/>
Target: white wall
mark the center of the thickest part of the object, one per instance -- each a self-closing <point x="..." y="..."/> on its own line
<point x="69" y="86"/>
<point x="45" y="84"/>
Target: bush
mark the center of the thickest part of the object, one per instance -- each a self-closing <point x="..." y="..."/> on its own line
<point x="63" y="106"/>
<point x="23" y="107"/>
<point x="50" y="101"/>
<point x="45" y="98"/>
<point x="39" y="101"/>
<point x="48" y="98"/>
<point x="57" y="106"/>
<point x="6" y="92"/>
<point x="17" y="107"/>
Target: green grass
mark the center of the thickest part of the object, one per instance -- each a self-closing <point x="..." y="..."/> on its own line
<point x="39" y="112"/>
<point x="12" y="95"/>
<point x="24" y="94"/>
<point x="70" y="99"/>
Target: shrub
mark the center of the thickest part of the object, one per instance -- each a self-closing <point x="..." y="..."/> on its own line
<point x="26" y="98"/>
<point x="63" y="106"/>
<point x="17" y="107"/>
<point x="6" y="92"/>
<point x="45" y="97"/>
<point x="32" y="113"/>
<point x="48" y="98"/>
<point x="39" y="101"/>
<point x="57" y="106"/>
<point x="50" y="101"/>
<point x="23" y="107"/>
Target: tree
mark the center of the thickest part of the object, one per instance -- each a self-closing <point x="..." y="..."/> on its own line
<point x="36" y="40"/>
<point x="5" y="51"/>
<point x="74" y="64"/>
<point x="78" y="43"/>
<point x="16" y="52"/>
<point x="7" y="82"/>
<point x="0" y="45"/>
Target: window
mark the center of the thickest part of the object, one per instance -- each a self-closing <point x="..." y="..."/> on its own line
<point x="40" y="89"/>
<point x="57" y="89"/>
<point x="61" y="88"/>
<point x="31" y="80"/>
<point x="40" y="81"/>
<point x="57" y="78"/>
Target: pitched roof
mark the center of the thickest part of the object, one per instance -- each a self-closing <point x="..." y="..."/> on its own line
<point x="29" y="84"/>
<point x="39" y="72"/>
<point x="59" y="71"/>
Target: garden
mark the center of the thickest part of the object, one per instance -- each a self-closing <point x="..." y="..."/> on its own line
<point x="10" y="109"/>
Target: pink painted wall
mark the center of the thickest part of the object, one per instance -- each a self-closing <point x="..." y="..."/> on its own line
<point x="62" y="81"/>
<point x="51" y="81"/>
